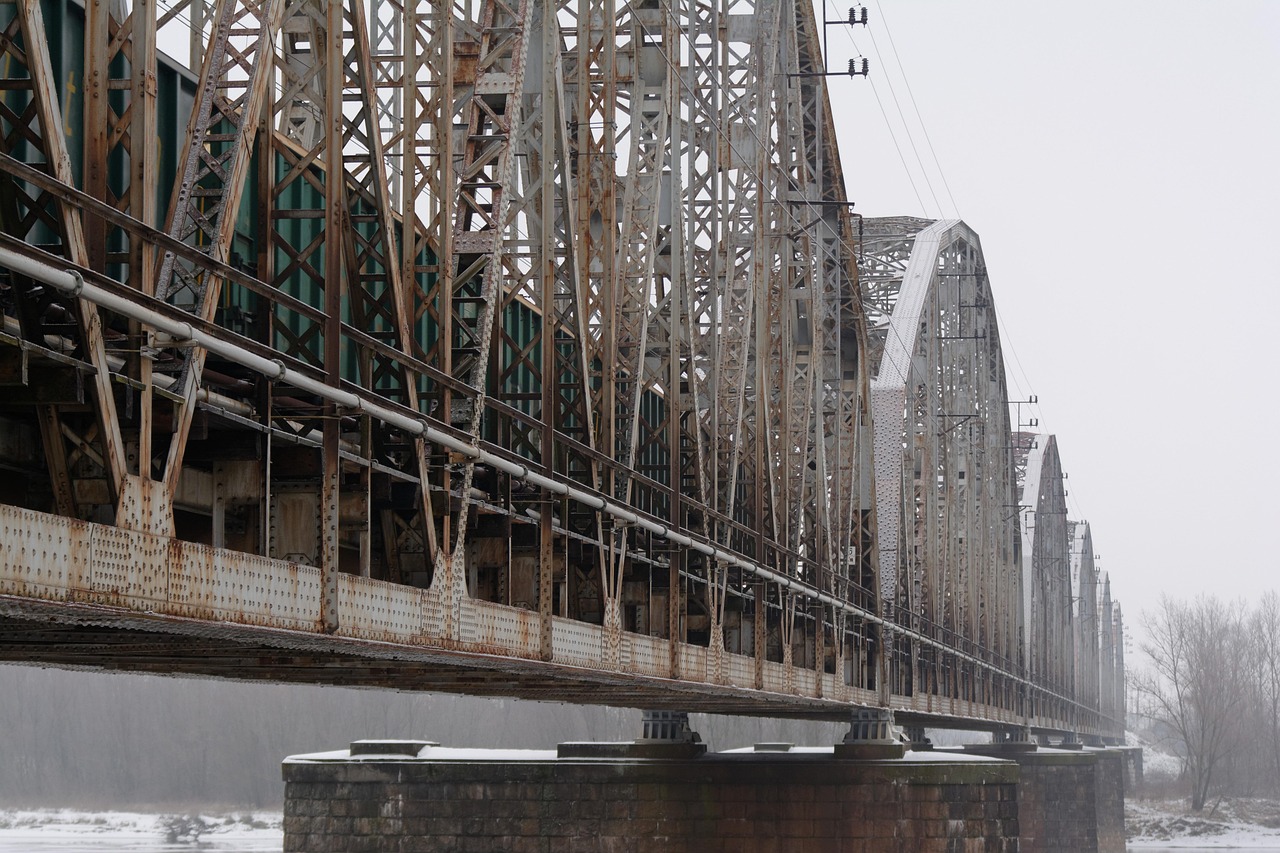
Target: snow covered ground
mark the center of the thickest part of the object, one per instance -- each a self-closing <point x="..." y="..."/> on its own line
<point x="1247" y="824"/>
<point x="1168" y="824"/>
<point x="1151" y="825"/>
<point x="67" y="831"/>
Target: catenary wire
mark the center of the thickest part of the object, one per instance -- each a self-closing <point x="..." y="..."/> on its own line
<point x="919" y="118"/>
<point x="893" y="93"/>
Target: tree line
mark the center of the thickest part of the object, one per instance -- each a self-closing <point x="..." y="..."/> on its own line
<point x="98" y="740"/>
<point x="1210" y="691"/>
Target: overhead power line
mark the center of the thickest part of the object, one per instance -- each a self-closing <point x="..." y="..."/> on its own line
<point x="919" y="118"/>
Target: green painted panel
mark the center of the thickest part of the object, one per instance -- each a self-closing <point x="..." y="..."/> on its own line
<point x="175" y="95"/>
<point x="176" y="88"/>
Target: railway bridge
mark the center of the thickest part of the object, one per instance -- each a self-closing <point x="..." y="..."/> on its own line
<point x="513" y="348"/>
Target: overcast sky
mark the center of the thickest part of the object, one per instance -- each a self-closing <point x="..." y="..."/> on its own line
<point x="1120" y="163"/>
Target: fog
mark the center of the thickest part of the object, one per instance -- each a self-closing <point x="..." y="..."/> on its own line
<point x="100" y="741"/>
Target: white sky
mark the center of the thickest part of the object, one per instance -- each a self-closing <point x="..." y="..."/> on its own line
<point x="1120" y="163"/>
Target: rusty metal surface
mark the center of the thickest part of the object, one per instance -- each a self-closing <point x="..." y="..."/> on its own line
<point x="99" y="637"/>
<point x="234" y="615"/>
<point x="530" y="353"/>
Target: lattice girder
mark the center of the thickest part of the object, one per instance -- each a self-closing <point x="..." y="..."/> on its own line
<point x="944" y="466"/>
<point x="542" y="326"/>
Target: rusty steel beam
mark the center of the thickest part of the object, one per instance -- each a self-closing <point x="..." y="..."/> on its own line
<point x="189" y="590"/>
<point x="549" y="346"/>
<point x="40" y="126"/>
<point x="212" y="177"/>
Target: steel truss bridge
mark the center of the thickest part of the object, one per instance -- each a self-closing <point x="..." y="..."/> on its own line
<point x="515" y="348"/>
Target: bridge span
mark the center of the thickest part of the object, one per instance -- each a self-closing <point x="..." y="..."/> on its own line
<point x="509" y="348"/>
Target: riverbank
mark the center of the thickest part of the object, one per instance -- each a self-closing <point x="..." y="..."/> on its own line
<point x="1242" y="823"/>
<point x="1238" y="823"/>
<point x="67" y="829"/>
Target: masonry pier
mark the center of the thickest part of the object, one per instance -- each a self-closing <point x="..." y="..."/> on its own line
<point x="641" y="796"/>
<point x="1070" y="799"/>
<point x="419" y="796"/>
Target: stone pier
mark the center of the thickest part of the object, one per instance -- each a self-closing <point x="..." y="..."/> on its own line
<point x="1110" y="788"/>
<point x="410" y="796"/>
<point x="1070" y="800"/>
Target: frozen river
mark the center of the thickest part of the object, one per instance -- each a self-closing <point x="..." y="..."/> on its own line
<point x="37" y="843"/>
<point x="127" y="845"/>
<point x="66" y="831"/>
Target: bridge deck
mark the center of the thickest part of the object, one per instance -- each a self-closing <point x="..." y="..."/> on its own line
<point x="85" y="595"/>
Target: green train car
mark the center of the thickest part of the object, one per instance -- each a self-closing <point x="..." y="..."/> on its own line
<point x="240" y="310"/>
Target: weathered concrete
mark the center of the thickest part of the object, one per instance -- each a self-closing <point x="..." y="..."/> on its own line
<point x="1132" y="769"/>
<point x="1109" y="787"/>
<point x="775" y="798"/>
<point x="1068" y="799"/>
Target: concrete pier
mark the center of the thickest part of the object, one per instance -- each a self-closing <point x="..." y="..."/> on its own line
<point x="1070" y="800"/>
<point x="417" y="796"/>
<point x="1110" y="786"/>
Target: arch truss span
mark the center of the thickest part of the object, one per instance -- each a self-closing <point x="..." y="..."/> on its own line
<point x="1068" y="618"/>
<point x="1045" y="566"/>
<point x="1111" y="699"/>
<point x="945" y="492"/>
<point x="1084" y="613"/>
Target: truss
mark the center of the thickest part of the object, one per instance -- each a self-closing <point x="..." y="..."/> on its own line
<point x="1046" y="564"/>
<point x="946" y="506"/>
<point x="500" y="315"/>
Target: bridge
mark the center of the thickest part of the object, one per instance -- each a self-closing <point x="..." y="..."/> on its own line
<point x="509" y="348"/>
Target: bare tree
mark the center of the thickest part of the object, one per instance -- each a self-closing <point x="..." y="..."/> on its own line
<point x="1265" y="633"/>
<point x="1198" y="683"/>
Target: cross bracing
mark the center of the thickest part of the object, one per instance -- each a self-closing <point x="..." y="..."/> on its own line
<point x="502" y="327"/>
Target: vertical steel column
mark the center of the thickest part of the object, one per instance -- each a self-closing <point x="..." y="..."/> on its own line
<point x="596" y="81"/>
<point x="100" y="119"/>
<point x="634" y="289"/>
<point x="480" y="225"/>
<point x="212" y="174"/>
<point x="337" y="224"/>
<point x="120" y="107"/>
<point x="142" y="204"/>
<point x="378" y="289"/>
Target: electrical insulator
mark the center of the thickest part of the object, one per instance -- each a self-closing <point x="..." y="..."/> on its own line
<point x="857" y="15"/>
<point x="855" y="71"/>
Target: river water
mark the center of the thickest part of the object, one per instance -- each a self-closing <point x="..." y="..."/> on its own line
<point x="130" y="843"/>
<point x="66" y="831"/>
<point x="104" y="843"/>
<point x="70" y="831"/>
<point x="101" y="843"/>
